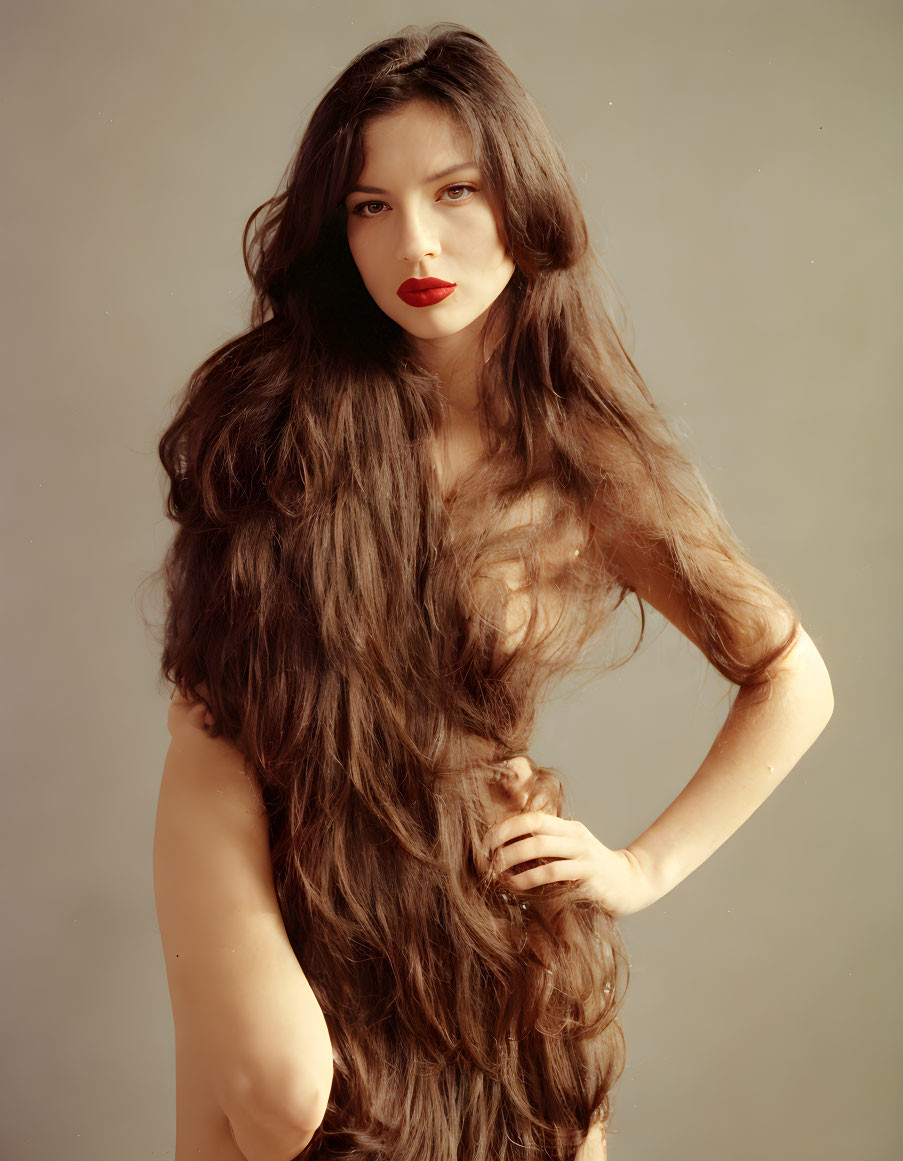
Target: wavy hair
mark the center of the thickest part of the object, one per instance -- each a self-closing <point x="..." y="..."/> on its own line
<point x="377" y="649"/>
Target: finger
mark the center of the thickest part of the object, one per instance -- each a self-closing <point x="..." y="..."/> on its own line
<point x="541" y="846"/>
<point x="535" y="821"/>
<point x="560" y="871"/>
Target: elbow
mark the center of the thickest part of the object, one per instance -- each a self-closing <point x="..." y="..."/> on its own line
<point x="820" y="696"/>
<point x="821" y="681"/>
<point x="828" y="696"/>
<point x="805" y="659"/>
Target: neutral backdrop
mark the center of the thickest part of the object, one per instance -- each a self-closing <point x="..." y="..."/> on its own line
<point x="740" y="169"/>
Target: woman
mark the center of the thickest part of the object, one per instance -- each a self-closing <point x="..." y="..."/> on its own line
<point x="407" y="498"/>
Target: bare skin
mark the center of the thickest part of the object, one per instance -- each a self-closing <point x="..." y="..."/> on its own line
<point x="202" y="1129"/>
<point x="460" y="445"/>
<point x="416" y="230"/>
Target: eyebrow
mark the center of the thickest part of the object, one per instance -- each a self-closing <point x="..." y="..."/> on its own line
<point x="372" y="189"/>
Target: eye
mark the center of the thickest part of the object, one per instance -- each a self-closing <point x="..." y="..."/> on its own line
<point x="361" y="208"/>
<point x="472" y="188"/>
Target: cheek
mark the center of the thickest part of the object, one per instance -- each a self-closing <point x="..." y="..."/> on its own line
<point x="486" y="245"/>
<point x="358" y="252"/>
<point x="366" y="259"/>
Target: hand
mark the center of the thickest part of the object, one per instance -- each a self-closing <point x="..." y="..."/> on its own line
<point x="616" y="879"/>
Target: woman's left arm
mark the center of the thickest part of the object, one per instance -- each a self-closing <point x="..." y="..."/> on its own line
<point x="769" y="727"/>
<point x="767" y="731"/>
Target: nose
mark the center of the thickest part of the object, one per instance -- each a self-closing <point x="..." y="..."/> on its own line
<point x="417" y="237"/>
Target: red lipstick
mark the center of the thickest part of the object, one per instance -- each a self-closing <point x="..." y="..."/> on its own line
<point x="424" y="291"/>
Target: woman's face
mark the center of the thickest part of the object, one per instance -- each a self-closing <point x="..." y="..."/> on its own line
<point x="415" y="220"/>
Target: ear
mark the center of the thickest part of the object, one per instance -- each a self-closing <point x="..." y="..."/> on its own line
<point x="523" y="782"/>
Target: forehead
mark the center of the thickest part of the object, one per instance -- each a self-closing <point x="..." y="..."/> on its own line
<point x="416" y="135"/>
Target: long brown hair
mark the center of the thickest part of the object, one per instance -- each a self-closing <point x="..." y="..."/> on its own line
<point x="349" y="626"/>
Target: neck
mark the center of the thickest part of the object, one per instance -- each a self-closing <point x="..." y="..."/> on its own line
<point x="455" y="360"/>
<point x="456" y="370"/>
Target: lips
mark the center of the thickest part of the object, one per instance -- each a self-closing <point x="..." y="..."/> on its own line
<point x="411" y="285"/>
<point x="424" y="291"/>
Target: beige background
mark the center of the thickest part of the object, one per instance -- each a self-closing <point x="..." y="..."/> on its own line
<point x="740" y="169"/>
